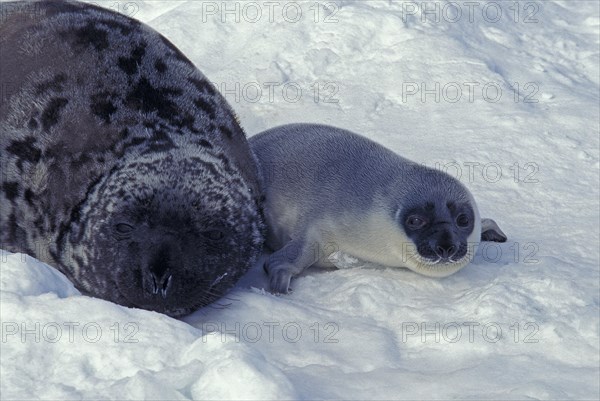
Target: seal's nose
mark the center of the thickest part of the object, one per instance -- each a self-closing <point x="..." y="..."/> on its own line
<point x="445" y="251"/>
<point x="161" y="272"/>
<point x="161" y="284"/>
<point x="445" y="246"/>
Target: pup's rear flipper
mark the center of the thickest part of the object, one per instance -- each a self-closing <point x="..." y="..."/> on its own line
<point x="491" y="232"/>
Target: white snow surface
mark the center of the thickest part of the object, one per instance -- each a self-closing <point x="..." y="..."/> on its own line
<point x="520" y="322"/>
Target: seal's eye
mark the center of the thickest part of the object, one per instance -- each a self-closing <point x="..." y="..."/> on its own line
<point x="123" y="228"/>
<point x="415" y="222"/>
<point x="214" y="235"/>
<point x="462" y="220"/>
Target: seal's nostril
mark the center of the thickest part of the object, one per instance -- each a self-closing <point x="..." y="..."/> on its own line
<point x="165" y="287"/>
<point x="440" y="251"/>
<point x="155" y="284"/>
<point x="445" y="251"/>
<point x="167" y="282"/>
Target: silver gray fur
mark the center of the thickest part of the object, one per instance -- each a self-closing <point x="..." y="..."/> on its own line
<point x="121" y="165"/>
<point x="329" y="190"/>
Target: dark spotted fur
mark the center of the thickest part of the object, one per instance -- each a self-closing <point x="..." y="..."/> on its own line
<point x="109" y="128"/>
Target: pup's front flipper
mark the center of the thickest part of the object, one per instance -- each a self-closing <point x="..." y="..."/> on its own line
<point x="285" y="263"/>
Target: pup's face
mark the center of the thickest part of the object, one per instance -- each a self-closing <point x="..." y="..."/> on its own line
<point x="440" y="230"/>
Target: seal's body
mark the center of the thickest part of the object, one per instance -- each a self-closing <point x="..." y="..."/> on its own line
<point x="121" y="164"/>
<point x="329" y="190"/>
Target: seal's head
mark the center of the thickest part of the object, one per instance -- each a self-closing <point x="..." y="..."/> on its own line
<point x="441" y="220"/>
<point x="175" y="237"/>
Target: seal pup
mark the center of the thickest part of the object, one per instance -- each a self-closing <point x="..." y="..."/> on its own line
<point x="327" y="190"/>
<point x="122" y="166"/>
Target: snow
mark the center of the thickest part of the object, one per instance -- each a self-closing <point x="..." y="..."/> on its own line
<point x="520" y="322"/>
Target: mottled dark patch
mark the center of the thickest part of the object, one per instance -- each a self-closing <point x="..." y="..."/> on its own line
<point x="75" y="215"/>
<point x="161" y="136"/>
<point x="159" y="147"/>
<point x="56" y="84"/>
<point x="226" y="131"/>
<point x="235" y="182"/>
<point x="160" y="66"/>
<point x="102" y="106"/>
<point x="78" y="260"/>
<point x="91" y="35"/>
<point x="186" y="121"/>
<point x="25" y="151"/>
<point x="204" y="143"/>
<point x="16" y="234"/>
<point x="80" y="162"/>
<point x="206" y="107"/>
<point x="29" y="195"/>
<point x="124" y="28"/>
<point x="51" y="113"/>
<point x="133" y="142"/>
<point x="203" y="85"/>
<point x="225" y="160"/>
<point x="53" y="223"/>
<point x="11" y="190"/>
<point x="210" y="167"/>
<point x="147" y="98"/>
<point x="39" y="224"/>
<point x="130" y="64"/>
<point x="56" y="256"/>
<point x="32" y="124"/>
<point x="124" y="133"/>
<point x="177" y="53"/>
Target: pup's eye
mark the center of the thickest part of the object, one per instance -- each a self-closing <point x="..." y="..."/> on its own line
<point x="462" y="220"/>
<point x="123" y="228"/>
<point x="214" y="235"/>
<point x="415" y="222"/>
